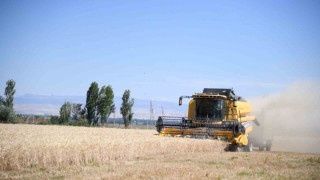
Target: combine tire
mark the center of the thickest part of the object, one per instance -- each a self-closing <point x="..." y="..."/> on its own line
<point x="239" y="149"/>
<point x="234" y="148"/>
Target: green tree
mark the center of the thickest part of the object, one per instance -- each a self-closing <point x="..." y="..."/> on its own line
<point x="83" y="113"/>
<point x="7" y="115"/>
<point x="91" y="103"/>
<point x="2" y="101"/>
<point x="65" y="112"/>
<point x="54" y="120"/>
<point x="76" y="110"/>
<point x="105" y="103"/>
<point x="6" y="105"/>
<point x="126" y="108"/>
<point x="9" y="93"/>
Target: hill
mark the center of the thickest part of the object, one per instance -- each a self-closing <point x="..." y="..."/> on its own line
<point x="50" y="105"/>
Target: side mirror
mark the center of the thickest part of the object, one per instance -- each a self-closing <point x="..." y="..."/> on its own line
<point x="180" y="101"/>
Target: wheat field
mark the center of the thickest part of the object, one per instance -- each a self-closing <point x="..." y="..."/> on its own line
<point x="46" y="146"/>
<point x="59" y="152"/>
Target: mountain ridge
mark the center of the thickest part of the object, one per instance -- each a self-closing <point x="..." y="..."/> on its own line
<point x="50" y="104"/>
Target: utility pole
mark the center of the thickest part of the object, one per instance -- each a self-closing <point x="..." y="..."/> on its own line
<point x="151" y="114"/>
<point x="162" y="110"/>
<point x="114" y="118"/>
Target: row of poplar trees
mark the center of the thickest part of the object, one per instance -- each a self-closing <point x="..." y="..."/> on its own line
<point x="99" y="105"/>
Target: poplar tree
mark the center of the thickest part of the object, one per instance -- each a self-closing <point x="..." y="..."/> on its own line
<point x="76" y="109"/>
<point x="2" y="101"/>
<point x="91" y="103"/>
<point x="9" y="93"/>
<point x="6" y="105"/>
<point x="126" y="108"/>
<point x="105" y="103"/>
<point x="65" y="113"/>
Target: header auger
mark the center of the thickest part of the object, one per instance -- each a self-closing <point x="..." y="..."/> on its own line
<point x="215" y="114"/>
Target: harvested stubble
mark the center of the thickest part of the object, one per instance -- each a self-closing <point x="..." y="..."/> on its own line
<point x="23" y="146"/>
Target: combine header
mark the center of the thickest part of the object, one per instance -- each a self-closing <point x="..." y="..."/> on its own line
<point x="215" y="114"/>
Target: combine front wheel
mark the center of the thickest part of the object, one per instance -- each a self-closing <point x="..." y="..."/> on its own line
<point x="234" y="148"/>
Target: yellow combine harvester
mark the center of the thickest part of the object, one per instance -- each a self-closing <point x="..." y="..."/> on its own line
<point x="215" y="114"/>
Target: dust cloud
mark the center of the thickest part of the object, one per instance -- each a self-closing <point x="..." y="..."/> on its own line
<point x="291" y="119"/>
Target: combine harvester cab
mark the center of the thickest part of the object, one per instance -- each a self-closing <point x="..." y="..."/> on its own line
<point x="214" y="114"/>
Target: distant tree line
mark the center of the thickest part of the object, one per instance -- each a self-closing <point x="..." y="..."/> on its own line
<point x="7" y="114"/>
<point x="99" y="106"/>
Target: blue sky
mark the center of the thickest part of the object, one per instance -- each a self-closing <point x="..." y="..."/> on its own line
<point x="158" y="49"/>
